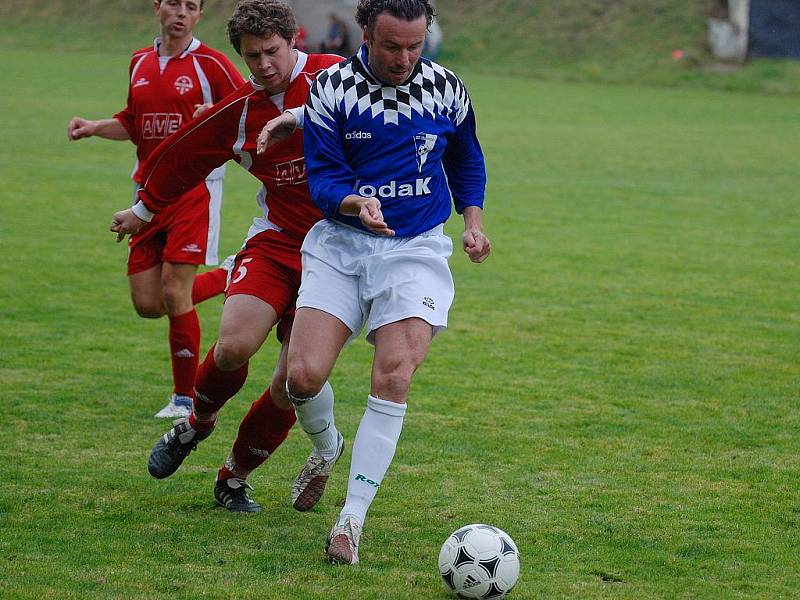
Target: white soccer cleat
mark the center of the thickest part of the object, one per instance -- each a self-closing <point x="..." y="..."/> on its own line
<point x="342" y="543"/>
<point x="313" y="477"/>
<point x="178" y="406"/>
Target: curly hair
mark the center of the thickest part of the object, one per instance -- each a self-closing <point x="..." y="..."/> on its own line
<point x="261" y="18"/>
<point x="369" y="10"/>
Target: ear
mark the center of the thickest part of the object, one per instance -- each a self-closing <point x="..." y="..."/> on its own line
<point x="156" y="6"/>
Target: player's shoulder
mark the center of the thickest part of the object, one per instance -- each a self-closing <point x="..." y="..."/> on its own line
<point x="204" y="49"/>
<point x="434" y="71"/>
<point x="207" y="53"/>
<point x="137" y="54"/>
<point x="320" y="62"/>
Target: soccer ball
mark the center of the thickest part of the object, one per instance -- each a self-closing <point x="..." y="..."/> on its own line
<point x="479" y="561"/>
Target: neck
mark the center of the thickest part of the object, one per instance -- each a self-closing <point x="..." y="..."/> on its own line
<point x="170" y="46"/>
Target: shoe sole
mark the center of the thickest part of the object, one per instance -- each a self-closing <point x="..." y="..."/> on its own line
<point x="311" y="495"/>
<point x="338" y="551"/>
<point x="254" y="510"/>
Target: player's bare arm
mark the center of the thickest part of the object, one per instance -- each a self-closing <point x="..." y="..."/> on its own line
<point x="110" y="129"/>
<point x="276" y="130"/>
<point x="473" y="240"/>
<point x="125" y="222"/>
<point x="368" y="210"/>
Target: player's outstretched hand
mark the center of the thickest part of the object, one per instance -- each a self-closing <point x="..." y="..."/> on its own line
<point x="476" y="245"/>
<point x="79" y="128"/>
<point x="125" y="222"/>
<point x="276" y="130"/>
<point x="199" y="109"/>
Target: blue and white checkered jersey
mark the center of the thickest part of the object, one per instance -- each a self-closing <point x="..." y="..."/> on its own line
<point x="411" y="145"/>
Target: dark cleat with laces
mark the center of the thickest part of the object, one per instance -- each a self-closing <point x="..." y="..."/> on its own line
<point x="232" y="494"/>
<point x="173" y="447"/>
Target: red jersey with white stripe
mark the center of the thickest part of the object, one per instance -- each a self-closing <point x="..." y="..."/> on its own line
<point x="229" y="131"/>
<point x="163" y="93"/>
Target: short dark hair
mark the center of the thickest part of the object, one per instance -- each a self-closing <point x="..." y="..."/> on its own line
<point x="261" y="18"/>
<point x="369" y="10"/>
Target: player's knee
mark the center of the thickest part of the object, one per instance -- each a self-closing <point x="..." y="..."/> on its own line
<point x="303" y="380"/>
<point x="230" y="354"/>
<point x="148" y="308"/>
<point x="395" y="374"/>
<point x="177" y="299"/>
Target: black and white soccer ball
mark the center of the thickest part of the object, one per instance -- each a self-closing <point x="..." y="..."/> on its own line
<point x="479" y="561"/>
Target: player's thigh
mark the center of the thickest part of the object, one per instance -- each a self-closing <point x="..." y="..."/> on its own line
<point x="410" y="278"/>
<point x="188" y="229"/>
<point x="400" y="348"/>
<point x="316" y="340"/>
<point x="245" y="324"/>
<point x="146" y="293"/>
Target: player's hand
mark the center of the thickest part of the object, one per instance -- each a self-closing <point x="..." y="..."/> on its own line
<point x="125" y="222"/>
<point x="79" y="128"/>
<point x="276" y="130"/>
<point x="476" y="245"/>
<point x="199" y="109"/>
<point x="371" y="217"/>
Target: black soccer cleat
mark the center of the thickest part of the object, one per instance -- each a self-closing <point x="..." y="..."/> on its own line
<point x="232" y="494"/>
<point x="173" y="447"/>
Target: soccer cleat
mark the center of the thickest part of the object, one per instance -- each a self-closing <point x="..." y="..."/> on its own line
<point x="310" y="483"/>
<point x="232" y="494"/>
<point x="178" y="406"/>
<point x="342" y="543"/>
<point x="173" y="447"/>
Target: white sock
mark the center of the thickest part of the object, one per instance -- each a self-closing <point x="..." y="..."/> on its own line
<point x="373" y="451"/>
<point x="315" y="416"/>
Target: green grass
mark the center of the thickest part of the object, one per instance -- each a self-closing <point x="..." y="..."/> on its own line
<point x="618" y="389"/>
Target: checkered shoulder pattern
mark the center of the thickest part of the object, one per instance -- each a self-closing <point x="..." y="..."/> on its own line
<point x="348" y="85"/>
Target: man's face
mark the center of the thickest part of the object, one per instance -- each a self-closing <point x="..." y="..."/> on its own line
<point x="270" y="60"/>
<point x="394" y="47"/>
<point x="178" y="17"/>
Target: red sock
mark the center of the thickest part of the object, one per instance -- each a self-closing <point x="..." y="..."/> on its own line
<point x="209" y="284"/>
<point x="184" y="345"/>
<point x="263" y="429"/>
<point x="214" y="387"/>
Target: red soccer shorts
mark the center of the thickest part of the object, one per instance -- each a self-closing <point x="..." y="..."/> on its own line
<point x="187" y="232"/>
<point x="269" y="268"/>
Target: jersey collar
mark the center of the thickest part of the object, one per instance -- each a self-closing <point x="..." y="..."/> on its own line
<point x="193" y="45"/>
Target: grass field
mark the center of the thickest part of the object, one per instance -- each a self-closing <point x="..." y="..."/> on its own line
<point x="618" y="389"/>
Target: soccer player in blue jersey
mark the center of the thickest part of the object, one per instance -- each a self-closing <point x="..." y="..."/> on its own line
<point x="390" y="145"/>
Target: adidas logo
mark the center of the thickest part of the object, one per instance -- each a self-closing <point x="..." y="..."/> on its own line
<point x="185" y="353"/>
<point x="470" y="582"/>
<point x="358" y="135"/>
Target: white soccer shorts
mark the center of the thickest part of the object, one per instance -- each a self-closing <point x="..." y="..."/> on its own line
<point x="364" y="279"/>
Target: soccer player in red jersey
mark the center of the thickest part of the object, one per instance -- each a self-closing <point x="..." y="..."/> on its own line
<point x="266" y="273"/>
<point x="171" y="82"/>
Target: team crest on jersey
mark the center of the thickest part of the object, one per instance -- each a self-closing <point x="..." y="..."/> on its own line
<point x="183" y="84"/>
<point x="424" y="143"/>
